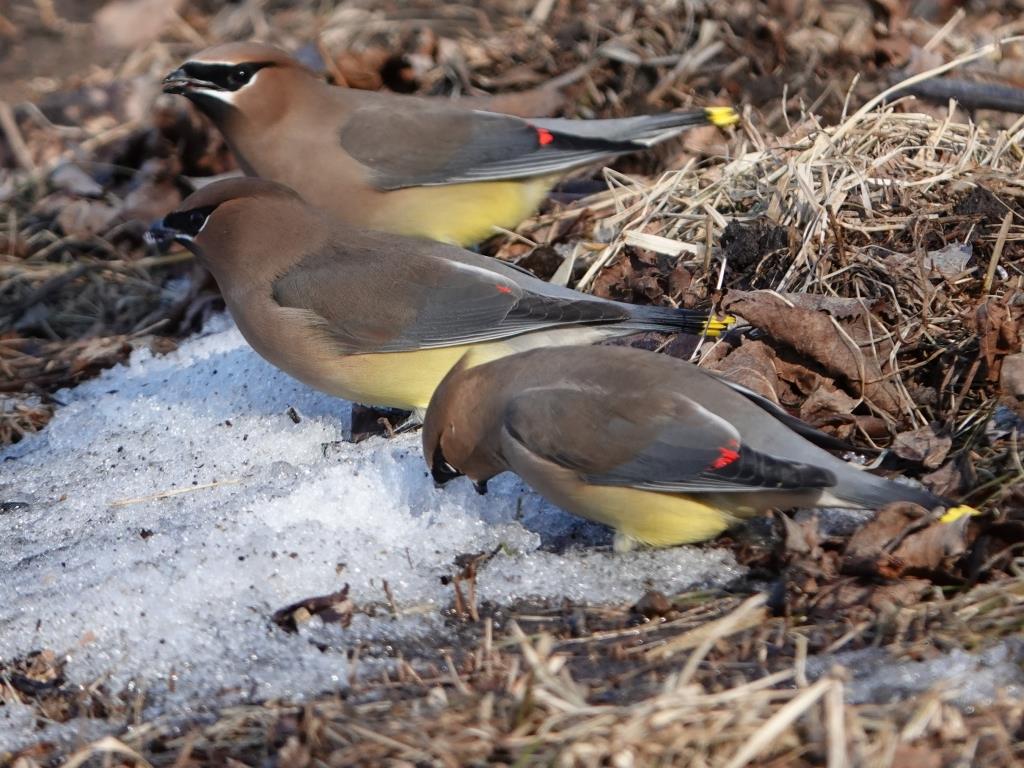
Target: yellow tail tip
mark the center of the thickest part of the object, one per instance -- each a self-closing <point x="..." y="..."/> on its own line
<point x="715" y="326"/>
<point x="722" y="116"/>
<point x="955" y="513"/>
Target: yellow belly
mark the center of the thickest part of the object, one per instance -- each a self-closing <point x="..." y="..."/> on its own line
<point x="400" y="379"/>
<point x="657" y="519"/>
<point x="408" y="379"/>
<point x="459" y="213"/>
<point x="649" y="517"/>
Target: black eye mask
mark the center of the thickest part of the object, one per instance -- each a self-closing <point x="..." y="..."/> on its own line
<point x="188" y="223"/>
<point x="180" y="226"/>
<point x="441" y="470"/>
<point x="224" y="77"/>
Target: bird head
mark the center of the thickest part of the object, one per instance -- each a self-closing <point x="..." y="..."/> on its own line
<point x="253" y="79"/>
<point x="437" y="425"/>
<point x="241" y="225"/>
<point x="459" y="428"/>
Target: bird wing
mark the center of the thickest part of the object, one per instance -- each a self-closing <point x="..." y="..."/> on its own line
<point x="660" y="441"/>
<point x="433" y="300"/>
<point x="421" y="143"/>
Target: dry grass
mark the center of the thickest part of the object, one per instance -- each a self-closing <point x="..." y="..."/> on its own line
<point x="716" y="681"/>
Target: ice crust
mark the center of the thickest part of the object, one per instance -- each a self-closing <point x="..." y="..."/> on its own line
<point x="174" y="596"/>
<point x="967" y="679"/>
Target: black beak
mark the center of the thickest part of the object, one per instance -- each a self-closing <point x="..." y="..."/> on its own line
<point x="441" y="470"/>
<point x="182" y="83"/>
<point x="442" y="474"/>
<point x="163" y="237"/>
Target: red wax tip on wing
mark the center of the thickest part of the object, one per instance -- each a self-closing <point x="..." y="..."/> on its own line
<point x="502" y="288"/>
<point x="726" y="456"/>
<point x="544" y="136"/>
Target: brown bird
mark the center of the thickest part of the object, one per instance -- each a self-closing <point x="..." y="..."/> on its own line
<point x="376" y="317"/>
<point x="659" y="449"/>
<point x="400" y="163"/>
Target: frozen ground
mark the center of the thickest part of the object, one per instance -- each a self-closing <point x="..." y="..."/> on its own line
<point x="964" y="678"/>
<point x="174" y="595"/>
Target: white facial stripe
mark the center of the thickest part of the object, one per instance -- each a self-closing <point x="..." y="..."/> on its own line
<point x="225" y="96"/>
<point x="200" y="230"/>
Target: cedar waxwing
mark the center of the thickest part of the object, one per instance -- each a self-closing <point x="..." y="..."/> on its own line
<point x="657" y="448"/>
<point x="400" y="163"/>
<point x="375" y="317"/>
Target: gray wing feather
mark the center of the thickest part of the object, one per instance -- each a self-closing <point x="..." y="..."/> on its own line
<point x="675" y="446"/>
<point x="426" y="144"/>
<point x="478" y="306"/>
<point x="435" y="299"/>
<point x="641" y="131"/>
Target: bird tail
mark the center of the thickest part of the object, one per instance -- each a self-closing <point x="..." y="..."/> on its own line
<point x="672" y="320"/>
<point x="716" y="325"/>
<point x="640" y="131"/>
<point x="873" y="492"/>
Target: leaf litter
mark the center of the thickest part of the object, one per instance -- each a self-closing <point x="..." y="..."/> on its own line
<point x="874" y="258"/>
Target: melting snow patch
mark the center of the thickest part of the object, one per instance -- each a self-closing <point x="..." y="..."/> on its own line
<point x="175" y="503"/>
<point x="968" y="679"/>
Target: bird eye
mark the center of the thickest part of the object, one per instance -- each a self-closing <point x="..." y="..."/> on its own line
<point x="196" y="219"/>
<point x="239" y="77"/>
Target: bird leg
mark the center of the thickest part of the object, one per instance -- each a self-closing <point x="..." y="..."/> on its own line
<point x="368" y="421"/>
<point x="622" y="543"/>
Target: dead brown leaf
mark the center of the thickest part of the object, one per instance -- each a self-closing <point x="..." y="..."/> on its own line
<point x="903" y="539"/>
<point x="335" y="608"/>
<point x="802" y="538"/>
<point x="832" y="333"/>
<point x="849" y="594"/>
<point x="1011" y="382"/>
<point x="946" y="480"/>
<point x="639" y="277"/>
<point x="998" y="323"/>
<point x="752" y="365"/>
<point x="828" y="404"/>
<point x="923" y="446"/>
<point x="935" y="547"/>
<point x="802" y="381"/>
